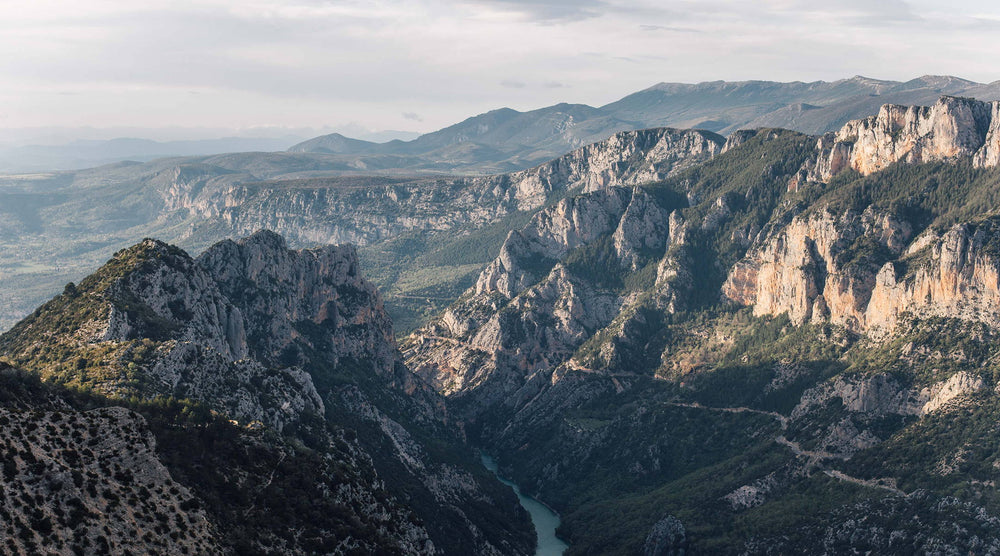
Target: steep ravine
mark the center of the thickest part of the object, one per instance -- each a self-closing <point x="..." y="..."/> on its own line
<point x="544" y="519"/>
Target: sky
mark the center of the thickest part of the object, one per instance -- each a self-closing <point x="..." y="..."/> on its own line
<point x="418" y="65"/>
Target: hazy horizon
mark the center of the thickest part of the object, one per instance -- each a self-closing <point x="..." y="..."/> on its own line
<point x="421" y="65"/>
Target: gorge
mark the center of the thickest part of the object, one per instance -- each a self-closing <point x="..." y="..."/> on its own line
<point x="766" y="343"/>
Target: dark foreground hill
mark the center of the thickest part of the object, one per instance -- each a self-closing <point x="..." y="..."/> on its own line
<point x="251" y="400"/>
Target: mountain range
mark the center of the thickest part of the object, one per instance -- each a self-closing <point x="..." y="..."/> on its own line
<point x="58" y="226"/>
<point x="506" y="140"/>
<point x="769" y="342"/>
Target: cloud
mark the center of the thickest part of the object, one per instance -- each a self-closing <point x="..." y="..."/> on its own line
<point x="668" y="28"/>
<point x="287" y="61"/>
<point x="412" y="116"/>
<point x="550" y="11"/>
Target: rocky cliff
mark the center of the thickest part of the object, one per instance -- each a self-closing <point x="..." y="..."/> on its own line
<point x="952" y="129"/>
<point x="867" y="272"/>
<point x="543" y="297"/>
<point x="318" y="212"/>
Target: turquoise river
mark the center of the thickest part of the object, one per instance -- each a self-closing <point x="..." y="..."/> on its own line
<point x="545" y="520"/>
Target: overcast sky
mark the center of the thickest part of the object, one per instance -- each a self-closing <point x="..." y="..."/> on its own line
<point x="422" y="64"/>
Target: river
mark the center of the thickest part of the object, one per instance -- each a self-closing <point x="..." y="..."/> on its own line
<point x="545" y="520"/>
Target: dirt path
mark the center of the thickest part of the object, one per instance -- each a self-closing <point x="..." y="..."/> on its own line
<point x="815" y="457"/>
<point x="885" y="484"/>
<point x="777" y="416"/>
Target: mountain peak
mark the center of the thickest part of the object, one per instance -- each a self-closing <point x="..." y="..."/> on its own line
<point x="265" y="238"/>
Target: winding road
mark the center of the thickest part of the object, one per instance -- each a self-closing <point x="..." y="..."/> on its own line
<point x="815" y="457"/>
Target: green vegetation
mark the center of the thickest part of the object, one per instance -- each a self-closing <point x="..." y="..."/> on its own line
<point x="955" y="453"/>
<point x="422" y="273"/>
<point x="56" y="341"/>
<point x="936" y="194"/>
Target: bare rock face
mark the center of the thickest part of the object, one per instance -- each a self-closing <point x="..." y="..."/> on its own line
<point x="810" y="268"/>
<point x="504" y="274"/>
<point x="178" y="292"/>
<point x="643" y="228"/>
<point x="282" y="293"/>
<point x="813" y="270"/>
<point x="955" y="275"/>
<point x="989" y="155"/>
<point x="530" y="310"/>
<point x="648" y="155"/>
<point x="328" y="215"/>
<point x="944" y="393"/>
<point x="952" y="129"/>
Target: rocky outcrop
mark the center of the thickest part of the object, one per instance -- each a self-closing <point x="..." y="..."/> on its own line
<point x="952" y="129"/>
<point x="631" y="158"/>
<point x="327" y="215"/>
<point x="989" y="155"/>
<point x="293" y="291"/>
<point x="955" y="275"/>
<point x="542" y="298"/>
<point x="943" y="394"/>
<point x="821" y="266"/>
<point x="862" y="271"/>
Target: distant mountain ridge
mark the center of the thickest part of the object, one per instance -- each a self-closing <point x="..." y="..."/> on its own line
<point x="505" y="139"/>
<point x="89" y="153"/>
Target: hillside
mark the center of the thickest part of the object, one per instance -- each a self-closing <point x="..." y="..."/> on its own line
<point x="749" y="356"/>
<point x="265" y="404"/>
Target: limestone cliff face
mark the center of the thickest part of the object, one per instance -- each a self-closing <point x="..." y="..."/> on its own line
<point x="989" y="155"/>
<point x="820" y="268"/>
<point x="952" y="129"/>
<point x="327" y="214"/>
<point x="956" y="274"/>
<point x="295" y="290"/>
<point x="816" y="268"/>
